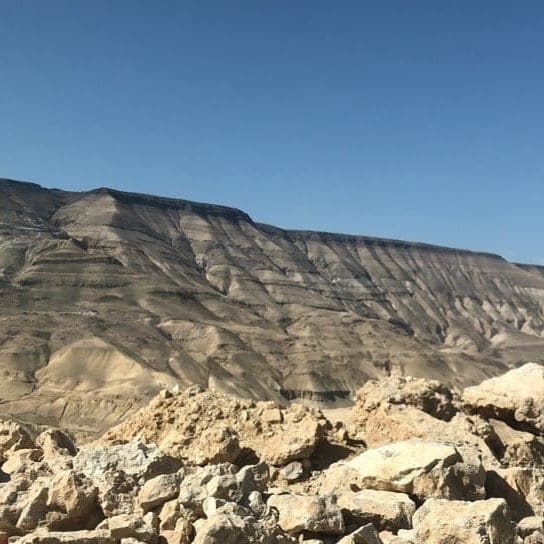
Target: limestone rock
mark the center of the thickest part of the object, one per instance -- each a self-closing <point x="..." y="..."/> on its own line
<point x="13" y="437"/>
<point x="423" y="469"/>
<point x="206" y="427"/>
<point x="177" y="537"/>
<point x="299" y="513"/>
<point x="384" y="509"/>
<point x="54" y="442"/>
<point x="212" y="506"/>
<point x="530" y="525"/>
<point x="516" y="397"/>
<point x="68" y="537"/>
<point x="226" y="487"/>
<point x="214" y="445"/>
<point x="158" y="490"/>
<point x="23" y="461"/>
<point x="458" y="522"/>
<point x="534" y="538"/>
<point x="223" y="528"/>
<point x="118" y="470"/>
<point x="144" y="529"/>
<point x="76" y="498"/>
<point x="429" y="396"/>
<point x="253" y="478"/>
<point x="194" y="486"/>
<point x="135" y="493"/>
<point x="363" y="535"/>
<point x="518" y="448"/>
<point x="293" y="443"/>
<point x="132" y="458"/>
<point x="292" y="472"/>
<point x="521" y="487"/>
<point x="34" y="508"/>
<point x="388" y="423"/>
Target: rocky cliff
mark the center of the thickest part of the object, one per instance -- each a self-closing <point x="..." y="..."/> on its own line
<point x="107" y="297"/>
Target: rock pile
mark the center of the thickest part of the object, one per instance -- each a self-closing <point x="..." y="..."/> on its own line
<point x="204" y="427"/>
<point x="415" y="464"/>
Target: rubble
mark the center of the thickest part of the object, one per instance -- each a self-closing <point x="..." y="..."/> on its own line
<point x="198" y="467"/>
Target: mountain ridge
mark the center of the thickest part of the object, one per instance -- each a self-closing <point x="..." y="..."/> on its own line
<point x="179" y="292"/>
<point x="183" y="203"/>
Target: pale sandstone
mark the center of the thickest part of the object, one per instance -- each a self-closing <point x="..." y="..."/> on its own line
<point x="363" y="535"/>
<point x="416" y="467"/>
<point x="458" y="522"/>
<point x="384" y="509"/>
<point x="299" y="513"/>
<point x="516" y="397"/>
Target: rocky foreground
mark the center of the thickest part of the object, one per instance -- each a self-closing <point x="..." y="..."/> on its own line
<point x="412" y="463"/>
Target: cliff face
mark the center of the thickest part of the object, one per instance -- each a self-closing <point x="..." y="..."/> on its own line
<point x="108" y="296"/>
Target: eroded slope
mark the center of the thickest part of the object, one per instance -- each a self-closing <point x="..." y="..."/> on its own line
<point x="107" y="297"/>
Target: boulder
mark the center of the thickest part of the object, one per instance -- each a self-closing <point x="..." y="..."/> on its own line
<point x="253" y="478"/>
<point x="381" y="417"/>
<point x="173" y="512"/>
<point x="208" y="427"/>
<point x="34" y="508"/>
<point x="292" y="472"/>
<point x="177" y="537"/>
<point x="221" y="482"/>
<point x="429" y="396"/>
<point x="363" y="535"/>
<point x="68" y="537"/>
<point x="143" y="528"/>
<point x="119" y="470"/>
<point x="517" y="448"/>
<point x="521" y="487"/>
<point x="534" y="538"/>
<point x="223" y="528"/>
<point x="132" y="458"/>
<point x="158" y="490"/>
<point x="298" y="513"/>
<point x="292" y="443"/>
<point x="440" y="521"/>
<point x="24" y="461"/>
<point x="13" y="498"/>
<point x="13" y="436"/>
<point x="516" y="397"/>
<point x="386" y="510"/>
<point x="212" y="506"/>
<point x="75" y="497"/>
<point x="419" y="468"/>
<point x="529" y="525"/>
<point x="54" y="442"/>
<point x="193" y="488"/>
<point x="215" y="445"/>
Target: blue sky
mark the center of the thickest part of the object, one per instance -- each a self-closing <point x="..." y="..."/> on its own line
<point x="420" y="120"/>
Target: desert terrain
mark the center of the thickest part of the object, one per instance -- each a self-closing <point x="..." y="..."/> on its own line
<point x="176" y="373"/>
<point x="108" y="297"/>
<point x="413" y="463"/>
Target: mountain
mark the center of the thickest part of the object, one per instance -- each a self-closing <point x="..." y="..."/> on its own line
<point x="107" y="297"/>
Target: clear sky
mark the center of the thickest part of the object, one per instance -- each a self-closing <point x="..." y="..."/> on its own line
<point x="421" y="120"/>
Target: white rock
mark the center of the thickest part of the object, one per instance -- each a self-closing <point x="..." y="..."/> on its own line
<point x="440" y="521"/>
<point x="299" y="513"/>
